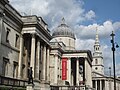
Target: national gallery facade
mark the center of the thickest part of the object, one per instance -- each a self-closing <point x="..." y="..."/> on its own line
<point x="26" y="42"/>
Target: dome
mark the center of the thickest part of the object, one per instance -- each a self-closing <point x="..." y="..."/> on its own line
<point x="63" y="30"/>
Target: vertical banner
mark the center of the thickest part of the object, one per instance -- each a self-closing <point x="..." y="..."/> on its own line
<point x="64" y="68"/>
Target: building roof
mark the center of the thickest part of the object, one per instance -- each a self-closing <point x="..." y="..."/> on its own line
<point x="63" y="30"/>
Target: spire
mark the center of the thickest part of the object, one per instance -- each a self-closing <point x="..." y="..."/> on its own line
<point x="97" y="44"/>
<point x="96" y="38"/>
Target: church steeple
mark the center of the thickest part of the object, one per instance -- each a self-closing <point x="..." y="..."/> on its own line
<point x="97" y="64"/>
<point x="97" y="38"/>
<point x="97" y="44"/>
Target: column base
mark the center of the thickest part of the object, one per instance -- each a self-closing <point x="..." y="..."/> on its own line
<point x="45" y="82"/>
<point x="44" y="85"/>
<point x="30" y="87"/>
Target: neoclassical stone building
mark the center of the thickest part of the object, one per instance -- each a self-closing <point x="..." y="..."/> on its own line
<point x="70" y="65"/>
<point x="25" y="41"/>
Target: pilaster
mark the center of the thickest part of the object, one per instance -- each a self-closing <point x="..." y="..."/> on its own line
<point x="48" y="64"/>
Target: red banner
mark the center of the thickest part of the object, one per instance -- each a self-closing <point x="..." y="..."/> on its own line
<point x="64" y="68"/>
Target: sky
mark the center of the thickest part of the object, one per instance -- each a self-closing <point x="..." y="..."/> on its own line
<point x="83" y="16"/>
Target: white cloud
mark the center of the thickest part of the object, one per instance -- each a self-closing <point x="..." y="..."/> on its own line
<point x="104" y="30"/>
<point x="37" y="7"/>
<point x="116" y="25"/>
<point x="85" y="44"/>
<point x="53" y="10"/>
<point x="118" y="69"/>
<point x="90" y="15"/>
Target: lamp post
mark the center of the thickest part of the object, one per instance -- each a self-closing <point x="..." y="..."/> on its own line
<point x="110" y="78"/>
<point x="113" y="49"/>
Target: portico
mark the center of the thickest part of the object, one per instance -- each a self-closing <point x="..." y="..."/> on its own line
<point x="34" y="51"/>
<point x="78" y="67"/>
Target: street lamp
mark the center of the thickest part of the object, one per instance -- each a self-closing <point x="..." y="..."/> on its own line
<point x="113" y="49"/>
<point x="110" y="78"/>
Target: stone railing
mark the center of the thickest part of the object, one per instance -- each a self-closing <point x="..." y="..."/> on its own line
<point x="12" y="82"/>
<point x="68" y="88"/>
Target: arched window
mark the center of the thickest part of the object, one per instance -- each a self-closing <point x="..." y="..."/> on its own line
<point x="96" y="48"/>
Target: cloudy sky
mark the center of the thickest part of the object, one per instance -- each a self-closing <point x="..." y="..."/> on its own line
<point x="83" y="16"/>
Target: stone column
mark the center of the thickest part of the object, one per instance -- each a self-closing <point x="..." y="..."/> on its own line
<point x="32" y="62"/>
<point x="88" y="75"/>
<point x="96" y="85"/>
<point x="55" y="69"/>
<point x="69" y="70"/>
<point x="77" y="71"/>
<point x="26" y="65"/>
<point x="44" y="62"/>
<point x="48" y="64"/>
<point x="106" y="85"/>
<point x="88" y="72"/>
<point x="37" y="60"/>
<point x="41" y="62"/>
<point x="20" y="57"/>
<point x="85" y="71"/>
<point x="100" y="85"/>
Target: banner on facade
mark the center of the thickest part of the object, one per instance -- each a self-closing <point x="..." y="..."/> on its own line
<point x="64" y="68"/>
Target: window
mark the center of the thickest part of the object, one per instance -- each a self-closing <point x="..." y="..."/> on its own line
<point x="96" y="48"/>
<point x="15" y="69"/>
<point x="96" y="61"/>
<point x="7" y="35"/>
<point x="96" y="68"/>
<point x="5" y="66"/>
<point x="16" y="41"/>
